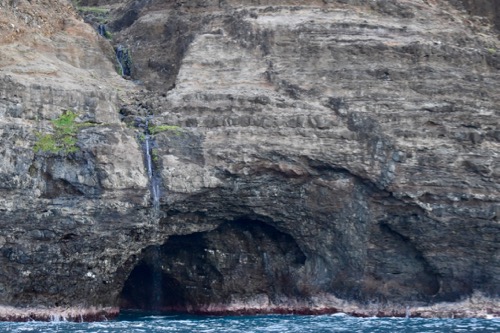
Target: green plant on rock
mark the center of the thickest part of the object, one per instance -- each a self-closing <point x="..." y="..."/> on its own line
<point x="164" y="128"/>
<point x="93" y="10"/>
<point x="155" y="154"/>
<point x="46" y="143"/>
<point x="141" y="137"/>
<point x="108" y="35"/>
<point x="64" y="138"/>
<point x="96" y="13"/>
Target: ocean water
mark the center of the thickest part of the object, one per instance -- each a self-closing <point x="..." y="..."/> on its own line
<point x="143" y="323"/>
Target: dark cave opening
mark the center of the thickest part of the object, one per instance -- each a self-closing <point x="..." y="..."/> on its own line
<point x="149" y="289"/>
<point x="246" y="259"/>
<point x="237" y="260"/>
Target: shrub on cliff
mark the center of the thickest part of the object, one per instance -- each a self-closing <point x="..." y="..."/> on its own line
<point x="63" y="140"/>
<point x="164" y="128"/>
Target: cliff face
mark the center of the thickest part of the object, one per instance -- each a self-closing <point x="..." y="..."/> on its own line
<point x="481" y="9"/>
<point x="311" y="156"/>
<point x="57" y="210"/>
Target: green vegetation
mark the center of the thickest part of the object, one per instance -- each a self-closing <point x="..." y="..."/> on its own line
<point x="98" y="14"/>
<point x="64" y="138"/>
<point x="141" y="137"/>
<point x="108" y="35"/>
<point x="95" y="15"/>
<point x="163" y="128"/>
<point x="492" y="50"/>
<point x="93" y="10"/>
<point x="154" y="154"/>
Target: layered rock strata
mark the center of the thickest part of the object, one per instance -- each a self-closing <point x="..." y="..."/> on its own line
<point x="313" y="156"/>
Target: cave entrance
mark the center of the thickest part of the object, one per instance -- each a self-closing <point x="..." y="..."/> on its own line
<point x="240" y="260"/>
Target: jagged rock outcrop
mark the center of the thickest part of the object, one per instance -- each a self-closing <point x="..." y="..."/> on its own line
<point x="313" y="156"/>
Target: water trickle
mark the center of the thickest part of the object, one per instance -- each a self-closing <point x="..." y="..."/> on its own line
<point x="124" y="60"/>
<point x="101" y="29"/>
<point x="157" y="297"/>
<point x="265" y="260"/>
<point x="153" y="179"/>
<point x="407" y="312"/>
<point x="148" y="156"/>
<point x="57" y="318"/>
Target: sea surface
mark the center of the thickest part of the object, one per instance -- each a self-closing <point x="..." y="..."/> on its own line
<point x="146" y="323"/>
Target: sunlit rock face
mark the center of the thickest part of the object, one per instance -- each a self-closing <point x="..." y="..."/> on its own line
<point x="312" y="155"/>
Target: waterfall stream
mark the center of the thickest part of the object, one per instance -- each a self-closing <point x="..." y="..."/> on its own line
<point x="157" y="295"/>
<point x="149" y="159"/>
<point x="101" y="29"/>
<point x="124" y="60"/>
<point x="122" y="53"/>
<point x="153" y="179"/>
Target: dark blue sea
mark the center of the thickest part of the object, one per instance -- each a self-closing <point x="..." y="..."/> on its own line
<point x="143" y="323"/>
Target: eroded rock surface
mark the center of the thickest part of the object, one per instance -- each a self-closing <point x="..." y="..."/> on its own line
<point x="314" y="156"/>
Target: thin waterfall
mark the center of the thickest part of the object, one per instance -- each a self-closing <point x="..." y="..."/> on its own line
<point x="156" y="297"/>
<point x="265" y="261"/>
<point x="101" y="29"/>
<point x="118" y="53"/>
<point x="124" y="60"/>
<point x="153" y="179"/>
<point x="157" y="289"/>
<point x="149" y="159"/>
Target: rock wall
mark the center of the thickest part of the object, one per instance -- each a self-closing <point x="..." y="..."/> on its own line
<point x="489" y="9"/>
<point x="313" y="157"/>
<point x="59" y="211"/>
